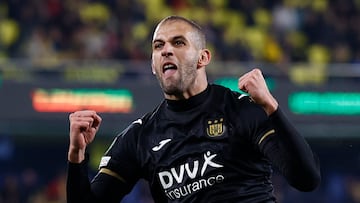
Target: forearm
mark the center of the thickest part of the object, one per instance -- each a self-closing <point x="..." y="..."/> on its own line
<point x="103" y="188"/>
<point x="271" y="105"/>
<point x="76" y="155"/>
<point x="78" y="185"/>
<point x="290" y="152"/>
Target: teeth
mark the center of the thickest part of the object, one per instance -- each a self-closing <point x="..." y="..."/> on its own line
<point x="168" y="66"/>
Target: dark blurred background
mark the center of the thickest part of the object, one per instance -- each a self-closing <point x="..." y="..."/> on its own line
<point x="58" y="56"/>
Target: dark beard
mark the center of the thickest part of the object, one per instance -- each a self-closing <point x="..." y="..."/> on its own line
<point x="171" y="90"/>
<point x="177" y="88"/>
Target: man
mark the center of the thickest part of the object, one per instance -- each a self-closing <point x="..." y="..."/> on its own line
<point x="203" y="143"/>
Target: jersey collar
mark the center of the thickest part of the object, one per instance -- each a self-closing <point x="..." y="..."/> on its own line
<point x="187" y="104"/>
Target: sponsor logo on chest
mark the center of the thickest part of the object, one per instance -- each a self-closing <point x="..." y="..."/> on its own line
<point x="187" y="178"/>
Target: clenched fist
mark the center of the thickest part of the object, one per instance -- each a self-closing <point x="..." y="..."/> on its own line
<point x="254" y="83"/>
<point x="83" y="127"/>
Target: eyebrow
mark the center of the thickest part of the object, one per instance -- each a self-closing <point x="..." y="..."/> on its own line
<point x="172" y="39"/>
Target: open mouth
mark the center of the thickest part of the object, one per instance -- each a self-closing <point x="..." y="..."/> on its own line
<point x="169" y="66"/>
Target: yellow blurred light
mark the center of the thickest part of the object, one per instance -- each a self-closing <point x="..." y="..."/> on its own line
<point x="262" y="17"/>
<point x="272" y="50"/>
<point x="140" y="31"/>
<point x="318" y="54"/>
<point x="95" y="11"/>
<point x="9" y="32"/>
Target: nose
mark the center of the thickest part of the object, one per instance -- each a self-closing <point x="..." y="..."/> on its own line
<point x="166" y="54"/>
<point x="167" y="50"/>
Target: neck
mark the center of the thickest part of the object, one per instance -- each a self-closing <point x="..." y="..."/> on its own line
<point x="199" y="86"/>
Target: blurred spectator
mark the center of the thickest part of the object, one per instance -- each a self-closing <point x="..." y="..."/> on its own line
<point x="6" y="148"/>
<point x="117" y="29"/>
<point x="29" y="183"/>
<point x="10" y="191"/>
<point x="353" y="188"/>
<point x="40" y="48"/>
<point x="55" y="190"/>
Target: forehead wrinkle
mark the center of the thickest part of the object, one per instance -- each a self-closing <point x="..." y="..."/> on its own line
<point x="171" y="38"/>
<point x="172" y="24"/>
<point x="192" y="35"/>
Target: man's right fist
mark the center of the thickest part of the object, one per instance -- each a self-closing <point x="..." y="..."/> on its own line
<point x="83" y="127"/>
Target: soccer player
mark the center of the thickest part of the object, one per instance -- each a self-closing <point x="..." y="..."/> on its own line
<point x="202" y="143"/>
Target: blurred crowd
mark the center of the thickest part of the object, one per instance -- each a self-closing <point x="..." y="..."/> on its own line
<point x="277" y="31"/>
<point x="34" y="174"/>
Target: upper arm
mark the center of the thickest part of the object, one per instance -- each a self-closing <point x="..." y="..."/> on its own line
<point x="120" y="162"/>
<point x="252" y="121"/>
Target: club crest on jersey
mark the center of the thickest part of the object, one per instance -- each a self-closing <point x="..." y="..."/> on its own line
<point x="215" y="128"/>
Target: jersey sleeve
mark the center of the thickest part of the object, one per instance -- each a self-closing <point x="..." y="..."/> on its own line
<point x="291" y="154"/>
<point x="121" y="156"/>
<point x="117" y="175"/>
<point x="278" y="140"/>
<point x="103" y="188"/>
<point x="251" y="121"/>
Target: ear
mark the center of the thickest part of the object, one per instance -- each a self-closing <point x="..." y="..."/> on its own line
<point x="205" y="58"/>
<point x="153" y="67"/>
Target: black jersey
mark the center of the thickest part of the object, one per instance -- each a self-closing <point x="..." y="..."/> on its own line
<point x="205" y="149"/>
<point x="218" y="146"/>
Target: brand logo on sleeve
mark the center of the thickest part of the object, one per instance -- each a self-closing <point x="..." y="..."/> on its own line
<point x="161" y="145"/>
<point x="104" y="161"/>
<point x="138" y="121"/>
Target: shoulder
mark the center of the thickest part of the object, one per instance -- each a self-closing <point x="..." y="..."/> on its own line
<point x="140" y="124"/>
<point x="131" y="135"/>
<point x="237" y="97"/>
<point x="237" y="103"/>
<point x="219" y="88"/>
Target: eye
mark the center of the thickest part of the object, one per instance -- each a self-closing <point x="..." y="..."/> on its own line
<point x="179" y="43"/>
<point x="158" y="45"/>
